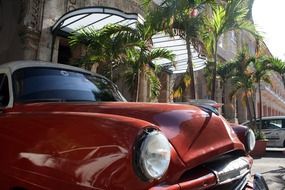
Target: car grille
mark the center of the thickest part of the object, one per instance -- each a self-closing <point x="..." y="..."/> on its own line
<point x="230" y="169"/>
<point x="234" y="185"/>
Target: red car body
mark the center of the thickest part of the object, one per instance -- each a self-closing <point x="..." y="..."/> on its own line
<point x="92" y="145"/>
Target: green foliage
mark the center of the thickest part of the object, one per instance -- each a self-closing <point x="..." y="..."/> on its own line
<point x="184" y="83"/>
<point x="259" y="135"/>
<point x="177" y="93"/>
<point x="104" y="46"/>
<point x="143" y="55"/>
<point x="229" y="16"/>
<point x="183" y="18"/>
<point x="249" y="70"/>
<point x="243" y="80"/>
<point x="248" y="73"/>
<point x="277" y="65"/>
<point x="225" y="70"/>
<point x="155" y="84"/>
<point x="115" y="45"/>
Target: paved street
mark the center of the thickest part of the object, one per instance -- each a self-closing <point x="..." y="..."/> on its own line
<point x="272" y="167"/>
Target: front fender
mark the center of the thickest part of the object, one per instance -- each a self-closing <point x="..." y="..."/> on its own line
<point x="70" y="150"/>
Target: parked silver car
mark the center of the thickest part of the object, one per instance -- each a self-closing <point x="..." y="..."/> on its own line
<point x="274" y="129"/>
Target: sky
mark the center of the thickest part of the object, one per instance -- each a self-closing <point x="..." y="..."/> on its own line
<point x="269" y="17"/>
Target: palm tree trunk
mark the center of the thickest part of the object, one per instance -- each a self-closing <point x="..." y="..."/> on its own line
<point x="260" y="106"/>
<point x="224" y="97"/>
<point x="138" y="85"/>
<point x="111" y="71"/>
<point x="143" y="86"/>
<point x="190" y="69"/>
<point x="248" y="108"/>
<point x="254" y="111"/>
<point x="213" y="91"/>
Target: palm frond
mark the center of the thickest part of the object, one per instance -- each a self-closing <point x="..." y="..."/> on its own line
<point x="226" y="70"/>
<point x="178" y="92"/>
<point x="186" y="80"/>
<point x="277" y="65"/>
<point x="155" y="84"/>
<point x="162" y="53"/>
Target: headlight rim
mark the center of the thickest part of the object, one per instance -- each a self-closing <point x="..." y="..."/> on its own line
<point x="137" y="162"/>
<point x="249" y="134"/>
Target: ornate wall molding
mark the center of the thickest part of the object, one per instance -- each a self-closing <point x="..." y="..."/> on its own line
<point x="33" y="17"/>
<point x="124" y="5"/>
<point x="71" y="5"/>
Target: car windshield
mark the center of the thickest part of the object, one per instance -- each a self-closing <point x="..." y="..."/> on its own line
<point x="50" y="84"/>
<point x="272" y="124"/>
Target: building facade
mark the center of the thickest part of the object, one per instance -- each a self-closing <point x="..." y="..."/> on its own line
<point x="273" y="95"/>
<point x="25" y="26"/>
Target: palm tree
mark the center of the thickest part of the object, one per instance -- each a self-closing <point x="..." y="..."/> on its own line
<point x="180" y="85"/>
<point x="251" y="70"/>
<point x="101" y="47"/>
<point x="225" y="17"/>
<point x="183" y="18"/>
<point x="142" y="68"/>
<point x="243" y="81"/>
<point x="143" y="55"/>
<point x="278" y="66"/>
<point x="261" y="66"/>
<point x="225" y="71"/>
<point x="115" y="44"/>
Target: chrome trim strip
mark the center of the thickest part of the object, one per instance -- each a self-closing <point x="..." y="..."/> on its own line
<point x="230" y="169"/>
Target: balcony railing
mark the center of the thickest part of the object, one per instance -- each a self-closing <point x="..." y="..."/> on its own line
<point x="273" y="93"/>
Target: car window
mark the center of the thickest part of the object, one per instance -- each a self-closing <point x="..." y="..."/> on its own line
<point x="49" y="84"/>
<point x="272" y="124"/>
<point x="4" y="90"/>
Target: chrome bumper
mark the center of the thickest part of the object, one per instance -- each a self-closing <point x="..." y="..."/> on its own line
<point x="230" y="169"/>
<point x="238" y="170"/>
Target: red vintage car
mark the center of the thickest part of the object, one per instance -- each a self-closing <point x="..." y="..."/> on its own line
<point x="64" y="128"/>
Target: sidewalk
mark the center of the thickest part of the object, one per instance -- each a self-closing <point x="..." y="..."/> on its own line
<point x="272" y="167"/>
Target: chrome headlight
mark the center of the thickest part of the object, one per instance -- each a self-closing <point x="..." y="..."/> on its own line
<point x="152" y="155"/>
<point x="250" y="140"/>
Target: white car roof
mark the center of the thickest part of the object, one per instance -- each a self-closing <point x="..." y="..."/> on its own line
<point x="267" y="118"/>
<point x="15" y="65"/>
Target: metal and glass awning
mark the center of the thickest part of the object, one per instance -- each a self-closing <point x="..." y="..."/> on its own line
<point x="98" y="17"/>
<point x="95" y="17"/>
<point x="178" y="46"/>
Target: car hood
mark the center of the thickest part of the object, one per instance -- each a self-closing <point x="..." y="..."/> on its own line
<point x="196" y="135"/>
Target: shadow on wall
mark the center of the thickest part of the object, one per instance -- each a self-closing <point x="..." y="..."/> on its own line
<point x="10" y="30"/>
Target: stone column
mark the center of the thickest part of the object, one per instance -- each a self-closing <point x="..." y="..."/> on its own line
<point x="53" y="10"/>
<point x="201" y="85"/>
<point x="94" y="67"/>
<point x="11" y="30"/>
<point x="219" y="90"/>
<point x="186" y="94"/>
<point x="143" y="88"/>
<point x="242" y="111"/>
<point x="32" y="27"/>
<point x="165" y="87"/>
<point x="229" y="105"/>
<point x="264" y="111"/>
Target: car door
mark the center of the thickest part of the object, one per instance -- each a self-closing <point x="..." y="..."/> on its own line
<point x="4" y="139"/>
<point x="272" y="129"/>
